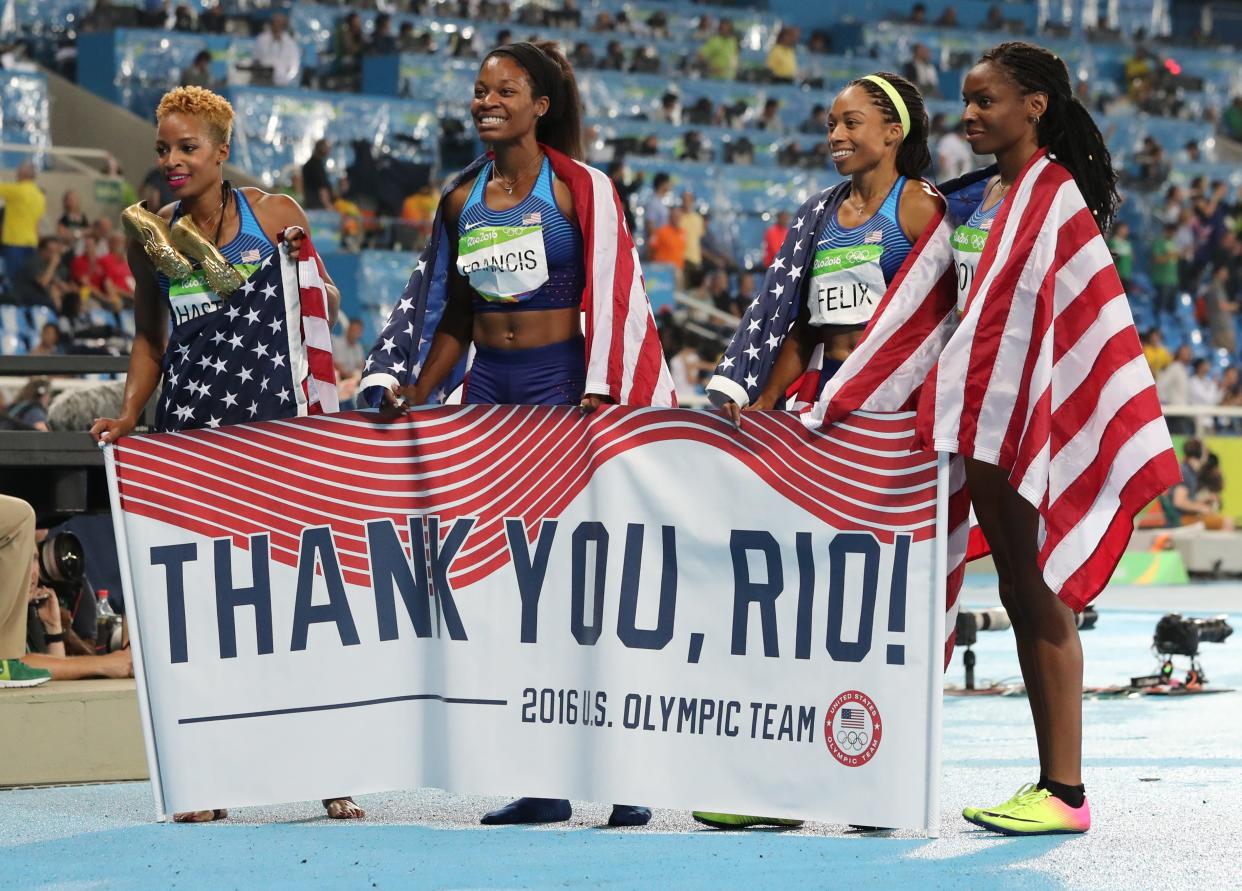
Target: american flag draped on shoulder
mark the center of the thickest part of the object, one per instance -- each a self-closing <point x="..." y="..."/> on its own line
<point x="1044" y="376"/>
<point x="624" y="358"/>
<point x="265" y="354"/>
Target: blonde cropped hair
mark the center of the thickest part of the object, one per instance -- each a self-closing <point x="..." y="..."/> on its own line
<point x="200" y="103"/>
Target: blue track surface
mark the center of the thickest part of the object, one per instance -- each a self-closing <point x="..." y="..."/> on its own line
<point x="1163" y="776"/>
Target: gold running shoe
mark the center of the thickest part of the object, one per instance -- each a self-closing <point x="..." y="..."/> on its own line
<point x="219" y="272"/>
<point x="152" y="233"/>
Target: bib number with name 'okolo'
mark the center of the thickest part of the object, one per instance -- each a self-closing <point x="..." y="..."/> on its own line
<point x="191" y="297"/>
<point x="847" y="285"/>
<point x="505" y="264"/>
<point x="967" y="244"/>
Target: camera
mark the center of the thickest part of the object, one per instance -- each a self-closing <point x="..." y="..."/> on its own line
<point x="62" y="562"/>
<point x="1179" y="636"/>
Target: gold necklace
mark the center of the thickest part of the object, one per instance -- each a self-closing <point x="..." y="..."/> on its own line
<point x="510" y="184"/>
<point x="859" y="208"/>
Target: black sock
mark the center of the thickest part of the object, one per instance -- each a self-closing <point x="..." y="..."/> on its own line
<point x="1074" y="796"/>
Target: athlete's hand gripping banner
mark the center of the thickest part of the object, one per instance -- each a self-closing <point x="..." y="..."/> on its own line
<point x="637" y="605"/>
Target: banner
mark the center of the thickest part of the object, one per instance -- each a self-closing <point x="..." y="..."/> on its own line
<point x="643" y="606"/>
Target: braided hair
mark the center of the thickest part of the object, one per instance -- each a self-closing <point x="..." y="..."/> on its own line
<point x="551" y="75"/>
<point x="913" y="156"/>
<point x="1066" y="129"/>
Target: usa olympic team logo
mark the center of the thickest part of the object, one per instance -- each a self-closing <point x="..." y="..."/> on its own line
<point x="852" y="728"/>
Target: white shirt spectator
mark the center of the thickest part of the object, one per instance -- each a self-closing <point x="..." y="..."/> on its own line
<point x="1203" y="391"/>
<point x="1173" y="385"/>
<point x="281" y="54"/>
<point x="348" y="357"/>
<point x="953" y="157"/>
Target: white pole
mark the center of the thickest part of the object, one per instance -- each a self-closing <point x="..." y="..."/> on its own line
<point x="133" y="623"/>
<point x="935" y="673"/>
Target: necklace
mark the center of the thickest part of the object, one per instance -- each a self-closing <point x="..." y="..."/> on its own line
<point x="510" y="184"/>
<point x="862" y="206"/>
<point x="225" y="189"/>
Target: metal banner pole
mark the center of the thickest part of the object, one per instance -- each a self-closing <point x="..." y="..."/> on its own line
<point x="135" y="636"/>
<point x="935" y="673"/>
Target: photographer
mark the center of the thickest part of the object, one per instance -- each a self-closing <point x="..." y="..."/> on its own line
<point x="55" y="648"/>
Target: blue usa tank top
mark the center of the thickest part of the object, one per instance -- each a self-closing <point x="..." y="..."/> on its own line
<point x="853" y="265"/>
<point x="967" y="243"/>
<point x="526" y="257"/>
<point x="192" y="297"/>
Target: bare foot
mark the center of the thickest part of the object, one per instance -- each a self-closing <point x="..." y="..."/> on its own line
<point x="343" y="809"/>
<point x="200" y="816"/>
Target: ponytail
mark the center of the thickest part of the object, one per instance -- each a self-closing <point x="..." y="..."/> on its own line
<point x="913" y="156"/>
<point x="551" y="75"/>
<point x="1066" y="129"/>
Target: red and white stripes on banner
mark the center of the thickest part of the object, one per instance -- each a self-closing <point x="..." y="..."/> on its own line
<point x="625" y="360"/>
<point x="1044" y="377"/>
<point x="494" y="462"/>
<point x="320" y="383"/>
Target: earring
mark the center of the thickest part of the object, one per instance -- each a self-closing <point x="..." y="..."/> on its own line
<point x="1035" y="119"/>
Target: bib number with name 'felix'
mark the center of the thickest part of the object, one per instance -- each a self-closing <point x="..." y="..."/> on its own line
<point x="847" y="285"/>
<point x="504" y="264"/>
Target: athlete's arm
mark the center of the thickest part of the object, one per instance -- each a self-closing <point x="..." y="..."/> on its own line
<point x="790" y="362"/>
<point x="147" y="353"/>
<point x="275" y="214"/>
<point x="919" y="206"/>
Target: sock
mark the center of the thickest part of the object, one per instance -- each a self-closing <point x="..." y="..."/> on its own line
<point x="1074" y="796"/>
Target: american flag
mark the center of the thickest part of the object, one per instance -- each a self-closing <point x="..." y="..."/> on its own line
<point x="265" y="353"/>
<point x="624" y="358"/>
<point x="1044" y="376"/>
<point x="746" y="364"/>
<point x="852" y="719"/>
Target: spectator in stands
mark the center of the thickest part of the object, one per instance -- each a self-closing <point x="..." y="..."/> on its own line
<point x="614" y="57"/>
<point x="716" y="254"/>
<point x="948" y="18"/>
<point x="646" y="60"/>
<point x="417" y="214"/>
<point x="583" y="56"/>
<point x="694" y="226"/>
<point x="1138" y="72"/>
<point x="1203" y="389"/>
<point x="316" y="186"/>
<point x="1164" y="271"/>
<point x="667" y="244"/>
<point x="1231" y="119"/>
<point x="24" y="204"/>
<point x="73" y="221"/>
<point x="1190" y="153"/>
<point x="693" y="148"/>
<point x="568" y="16"/>
<point x="918" y="15"/>
<point x="1220" y="312"/>
<point x="627" y="185"/>
<point x="102" y="17"/>
<point x="49" y="341"/>
<point x="39" y="281"/>
<point x="30" y="406"/>
<point x="670" y="109"/>
<point x="922" y="72"/>
<point x="820" y="42"/>
<point x="816" y="123"/>
<point x="603" y="23"/>
<point x="1123" y="253"/>
<point x="1151" y="163"/>
<point x="716" y="292"/>
<point x="382" y="42"/>
<point x="770" y="120"/>
<point x="185" y="19"/>
<point x="782" y="61"/>
<point x="774" y="237"/>
<point x="102" y="229"/>
<point x="198" y="72"/>
<point x="952" y="153"/>
<point x="407" y="40"/>
<point x="347" y="350"/>
<point x="720" y="52"/>
<point x="348" y="44"/>
<point x="1173" y="387"/>
<point x="684" y="362"/>
<point x="1157" y="354"/>
<point x="117" y="278"/>
<point x="995" y="20"/>
<point x="86" y="272"/>
<point x="655" y="210"/>
<point x="17" y="534"/>
<point x="276" y="48"/>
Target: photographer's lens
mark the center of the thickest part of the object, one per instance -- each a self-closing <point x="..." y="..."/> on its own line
<point x="61" y="559"/>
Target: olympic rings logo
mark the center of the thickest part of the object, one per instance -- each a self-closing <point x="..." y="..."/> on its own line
<point x="853" y="740"/>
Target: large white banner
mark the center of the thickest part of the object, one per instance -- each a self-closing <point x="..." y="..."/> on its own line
<point x="642" y="606"/>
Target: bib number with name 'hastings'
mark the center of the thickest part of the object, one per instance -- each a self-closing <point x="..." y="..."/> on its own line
<point x="847" y="285"/>
<point x="967" y="244"/>
<point x="191" y="297"/>
<point x="504" y="264"/>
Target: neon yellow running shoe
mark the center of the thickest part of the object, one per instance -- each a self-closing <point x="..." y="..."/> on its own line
<point x="1026" y="789"/>
<point x="16" y="673"/>
<point x="1039" y="813"/>
<point x="739" y="821"/>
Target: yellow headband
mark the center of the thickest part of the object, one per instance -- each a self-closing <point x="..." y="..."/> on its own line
<point x="903" y="114"/>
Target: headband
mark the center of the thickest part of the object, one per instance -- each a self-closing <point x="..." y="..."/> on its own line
<point x="903" y="114"/>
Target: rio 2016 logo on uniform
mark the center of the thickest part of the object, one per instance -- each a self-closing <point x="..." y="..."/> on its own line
<point x="852" y="728"/>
